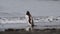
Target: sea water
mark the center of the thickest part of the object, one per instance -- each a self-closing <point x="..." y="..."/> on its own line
<point x="21" y="23"/>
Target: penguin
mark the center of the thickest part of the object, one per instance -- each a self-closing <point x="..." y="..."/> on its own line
<point x="29" y="19"/>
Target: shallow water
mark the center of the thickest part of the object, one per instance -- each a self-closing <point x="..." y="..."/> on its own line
<point x="26" y="26"/>
<point x="20" y="23"/>
<point x="31" y="30"/>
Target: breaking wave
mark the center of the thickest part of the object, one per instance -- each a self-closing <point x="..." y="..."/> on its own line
<point x="23" y="20"/>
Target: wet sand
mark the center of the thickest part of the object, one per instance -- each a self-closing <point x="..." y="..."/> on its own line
<point x="33" y="31"/>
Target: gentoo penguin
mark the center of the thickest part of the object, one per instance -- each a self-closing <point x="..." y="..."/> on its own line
<point x="29" y="19"/>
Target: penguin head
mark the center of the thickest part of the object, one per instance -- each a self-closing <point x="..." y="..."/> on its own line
<point x="27" y="13"/>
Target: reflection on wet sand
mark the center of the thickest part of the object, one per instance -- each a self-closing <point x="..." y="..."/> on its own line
<point x="31" y="30"/>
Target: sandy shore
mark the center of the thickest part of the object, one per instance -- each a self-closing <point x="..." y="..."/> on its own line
<point x="34" y="31"/>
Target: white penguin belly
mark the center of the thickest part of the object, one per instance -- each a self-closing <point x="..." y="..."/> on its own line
<point x="27" y="19"/>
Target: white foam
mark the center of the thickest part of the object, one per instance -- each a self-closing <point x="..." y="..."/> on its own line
<point x="23" y="20"/>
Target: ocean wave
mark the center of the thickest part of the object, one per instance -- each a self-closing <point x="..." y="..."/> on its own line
<point x="23" y="20"/>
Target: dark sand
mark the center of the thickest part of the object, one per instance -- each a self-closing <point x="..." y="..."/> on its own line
<point x="34" y="31"/>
